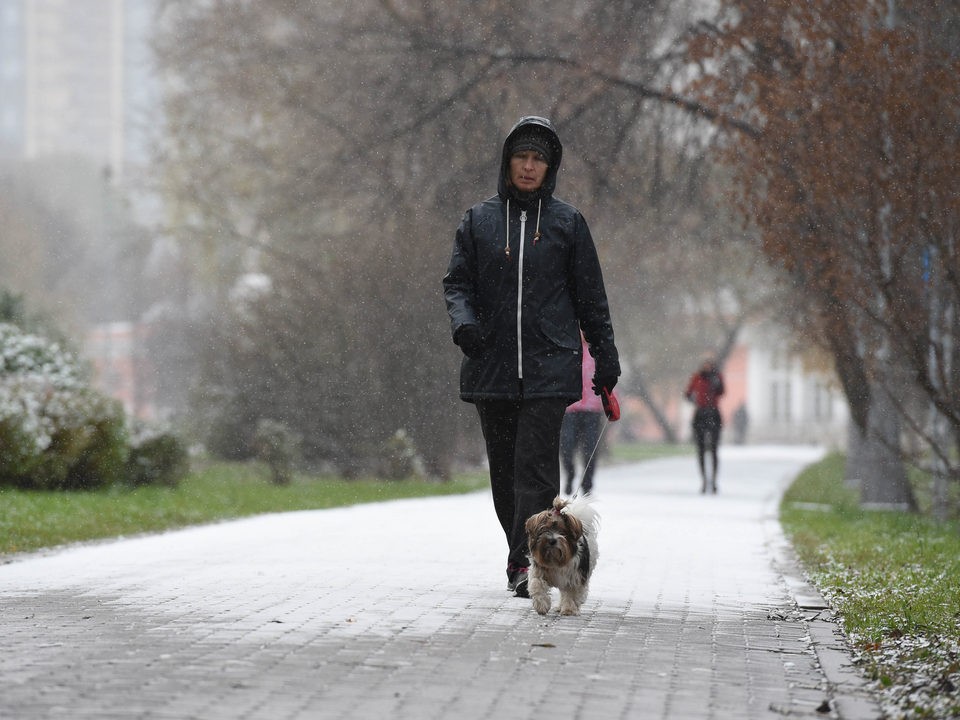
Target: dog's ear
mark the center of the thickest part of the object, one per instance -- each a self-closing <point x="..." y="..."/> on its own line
<point x="573" y="525"/>
<point x="532" y="522"/>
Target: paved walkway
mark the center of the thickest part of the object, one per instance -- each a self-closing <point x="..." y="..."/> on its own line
<point x="399" y="610"/>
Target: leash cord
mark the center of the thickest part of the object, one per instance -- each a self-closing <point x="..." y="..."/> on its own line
<point x="606" y="421"/>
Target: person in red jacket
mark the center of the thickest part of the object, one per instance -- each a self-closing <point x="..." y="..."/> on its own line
<point x="704" y="391"/>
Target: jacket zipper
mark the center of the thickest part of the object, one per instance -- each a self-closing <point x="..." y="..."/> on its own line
<point x="523" y="230"/>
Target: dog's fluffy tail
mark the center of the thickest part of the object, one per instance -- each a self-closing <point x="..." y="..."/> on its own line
<point x="581" y="507"/>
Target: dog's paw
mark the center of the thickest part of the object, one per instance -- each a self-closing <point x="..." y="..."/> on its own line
<point x="569" y="608"/>
<point x="541" y="603"/>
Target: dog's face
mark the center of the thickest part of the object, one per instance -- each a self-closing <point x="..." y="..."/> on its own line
<point x="553" y="536"/>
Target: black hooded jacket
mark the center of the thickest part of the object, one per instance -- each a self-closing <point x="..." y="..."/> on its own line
<point x="560" y="293"/>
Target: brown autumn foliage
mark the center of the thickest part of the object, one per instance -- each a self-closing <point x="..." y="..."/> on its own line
<point x="844" y="138"/>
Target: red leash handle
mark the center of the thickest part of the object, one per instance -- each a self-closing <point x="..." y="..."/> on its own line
<point x="611" y="406"/>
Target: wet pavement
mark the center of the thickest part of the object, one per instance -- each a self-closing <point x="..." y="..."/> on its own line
<point x="399" y="610"/>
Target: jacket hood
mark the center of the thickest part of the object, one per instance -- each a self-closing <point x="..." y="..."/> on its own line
<point x="504" y="189"/>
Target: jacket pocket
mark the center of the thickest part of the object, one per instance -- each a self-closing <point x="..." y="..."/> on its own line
<point x="566" y="335"/>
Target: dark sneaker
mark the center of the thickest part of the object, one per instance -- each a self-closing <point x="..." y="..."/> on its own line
<point x="512" y="576"/>
<point x="520" y="586"/>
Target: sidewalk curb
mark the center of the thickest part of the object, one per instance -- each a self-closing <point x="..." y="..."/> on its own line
<point x="847" y="690"/>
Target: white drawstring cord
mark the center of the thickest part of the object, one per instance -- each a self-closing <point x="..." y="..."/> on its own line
<point x="507" y="250"/>
<point x="536" y="235"/>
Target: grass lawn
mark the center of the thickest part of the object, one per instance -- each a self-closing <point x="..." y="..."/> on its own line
<point x="894" y="580"/>
<point x="217" y="491"/>
<point x="34" y="520"/>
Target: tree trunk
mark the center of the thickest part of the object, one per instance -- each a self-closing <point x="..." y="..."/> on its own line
<point x="729" y="340"/>
<point x="640" y="387"/>
<point x="874" y="462"/>
<point x="856" y="451"/>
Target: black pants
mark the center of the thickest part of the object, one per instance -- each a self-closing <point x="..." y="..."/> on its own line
<point x="523" y="449"/>
<point x="579" y="435"/>
<point x="706" y="433"/>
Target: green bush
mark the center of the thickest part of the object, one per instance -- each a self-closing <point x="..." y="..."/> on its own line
<point x="277" y="446"/>
<point x="56" y="432"/>
<point x="158" y="460"/>
<point x="398" y="459"/>
<point x="18" y="456"/>
<point x="88" y="448"/>
<point x="102" y="459"/>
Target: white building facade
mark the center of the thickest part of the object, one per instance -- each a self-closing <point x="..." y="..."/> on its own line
<point x="788" y="401"/>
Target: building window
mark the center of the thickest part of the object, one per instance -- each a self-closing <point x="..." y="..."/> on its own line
<point x="780" y="401"/>
<point x="822" y="405"/>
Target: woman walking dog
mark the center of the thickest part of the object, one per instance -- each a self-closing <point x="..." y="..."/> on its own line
<point x="523" y="281"/>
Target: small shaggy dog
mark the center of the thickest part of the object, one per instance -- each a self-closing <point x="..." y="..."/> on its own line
<point x="563" y="553"/>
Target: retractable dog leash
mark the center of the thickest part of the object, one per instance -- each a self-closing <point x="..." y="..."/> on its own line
<point x="611" y="406"/>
